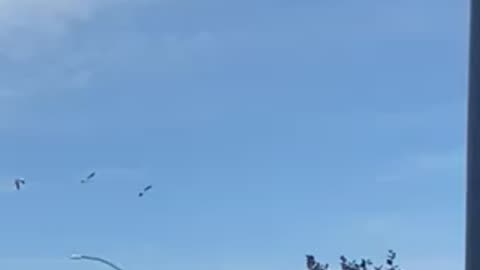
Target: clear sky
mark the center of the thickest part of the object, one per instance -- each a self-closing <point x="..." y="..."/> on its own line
<point x="269" y="129"/>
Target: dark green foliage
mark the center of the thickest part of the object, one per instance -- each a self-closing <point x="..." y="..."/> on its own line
<point x="362" y="264"/>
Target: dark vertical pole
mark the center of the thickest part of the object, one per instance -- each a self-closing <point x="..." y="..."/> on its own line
<point x="472" y="259"/>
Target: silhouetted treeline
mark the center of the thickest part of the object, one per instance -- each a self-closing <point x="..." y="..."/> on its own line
<point x="362" y="264"/>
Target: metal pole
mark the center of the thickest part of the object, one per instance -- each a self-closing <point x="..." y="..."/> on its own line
<point x="472" y="256"/>
<point x="97" y="259"/>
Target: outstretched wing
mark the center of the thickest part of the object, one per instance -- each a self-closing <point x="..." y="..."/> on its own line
<point x="17" y="184"/>
<point x="90" y="176"/>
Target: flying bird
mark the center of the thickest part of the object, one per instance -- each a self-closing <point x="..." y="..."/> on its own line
<point x="89" y="177"/>
<point x="147" y="188"/>
<point x="19" y="182"/>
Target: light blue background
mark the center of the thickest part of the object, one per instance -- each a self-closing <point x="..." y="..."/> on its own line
<point x="269" y="129"/>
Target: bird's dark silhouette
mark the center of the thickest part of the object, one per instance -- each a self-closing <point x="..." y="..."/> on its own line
<point x="19" y="182"/>
<point x="145" y="189"/>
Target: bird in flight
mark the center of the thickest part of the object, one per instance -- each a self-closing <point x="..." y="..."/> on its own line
<point x="19" y="182"/>
<point x="145" y="189"/>
<point x="88" y="178"/>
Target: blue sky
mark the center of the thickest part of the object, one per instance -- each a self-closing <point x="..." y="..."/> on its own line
<point x="269" y="129"/>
